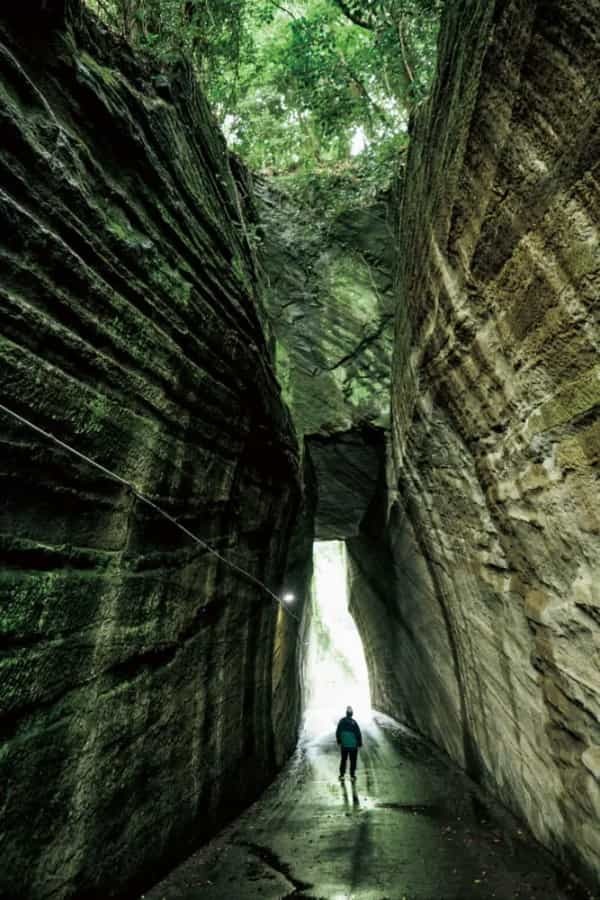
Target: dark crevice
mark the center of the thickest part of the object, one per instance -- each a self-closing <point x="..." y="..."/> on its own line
<point x="153" y="658"/>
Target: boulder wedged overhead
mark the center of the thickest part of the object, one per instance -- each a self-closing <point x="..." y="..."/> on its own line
<point x="495" y="403"/>
<point x="136" y="669"/>
<point x="349" y="473"/>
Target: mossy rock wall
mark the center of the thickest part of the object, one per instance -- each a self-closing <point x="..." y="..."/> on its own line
<point x="147" y="690"/>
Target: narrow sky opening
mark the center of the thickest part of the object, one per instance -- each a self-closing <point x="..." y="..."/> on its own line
<point x="335" y="671"/>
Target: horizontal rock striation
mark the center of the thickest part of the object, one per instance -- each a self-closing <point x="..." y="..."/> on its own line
<point x="492" y="634"/>
<point x="141" y="678"/>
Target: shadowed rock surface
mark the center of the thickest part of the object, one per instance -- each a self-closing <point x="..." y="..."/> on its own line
<point x="148" y="691"/>
<point x="349" y="470"/>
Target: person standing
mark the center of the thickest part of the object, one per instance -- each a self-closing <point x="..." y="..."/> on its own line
<point x="349" y="739"/>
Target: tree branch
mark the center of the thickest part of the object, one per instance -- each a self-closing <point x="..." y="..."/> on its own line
<point x="354" y="17"/>
<point x="283" y="9"/>
<point x="407" y="68"/>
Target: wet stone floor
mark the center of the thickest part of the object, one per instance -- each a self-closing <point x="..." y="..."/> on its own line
<point x="413" y="827"/>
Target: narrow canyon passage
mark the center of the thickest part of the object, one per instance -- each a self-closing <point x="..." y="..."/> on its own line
<point x="413" y="827"/>
<point x="299" y="408"/>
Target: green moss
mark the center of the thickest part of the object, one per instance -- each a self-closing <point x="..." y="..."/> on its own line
<point x="118" y="225"/>
<point x="350" y="281"/>
<point x="571" y="400"/>
<point x="171" y="282"/>
<point x="318" y="403"/>
<point x="47" y="601"/>
<point x="582" y="450"/>
<point x="98" y="411"/>
<point x="164" y="277"/>
<point x="103" y="72"/>
<point x="283" y="371"/>
<point x="240" y="270"/>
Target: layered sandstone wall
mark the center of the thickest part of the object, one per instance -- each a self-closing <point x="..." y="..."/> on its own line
<point x="491" y="637"/>
<point x="146" y="689"/>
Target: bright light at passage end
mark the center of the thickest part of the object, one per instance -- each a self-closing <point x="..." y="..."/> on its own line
<point x="288" y="598"/>
<point x="336" y="670"/>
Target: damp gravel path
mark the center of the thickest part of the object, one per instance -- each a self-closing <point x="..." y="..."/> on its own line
<point x="413" y="828"/>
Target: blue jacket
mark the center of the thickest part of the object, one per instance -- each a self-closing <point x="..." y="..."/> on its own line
<point x="348" y="733"/>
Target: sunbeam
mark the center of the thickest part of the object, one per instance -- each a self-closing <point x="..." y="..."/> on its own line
<point x="335" y="671"/>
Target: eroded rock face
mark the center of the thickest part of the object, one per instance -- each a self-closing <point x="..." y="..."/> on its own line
<point x="140" y="677"/>
<point x="491" y="636"/>
<point x="330" y="303"/>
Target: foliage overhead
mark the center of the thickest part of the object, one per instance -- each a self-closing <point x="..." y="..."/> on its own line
<point x="300" y="86"/>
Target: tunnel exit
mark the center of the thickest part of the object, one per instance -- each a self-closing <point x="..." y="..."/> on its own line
<point x="335" y="670"/>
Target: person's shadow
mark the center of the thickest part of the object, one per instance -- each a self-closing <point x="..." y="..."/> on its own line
<point x="346" y="798"/>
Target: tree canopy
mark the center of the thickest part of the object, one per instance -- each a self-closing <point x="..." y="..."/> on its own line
<point x="299" y="86"/>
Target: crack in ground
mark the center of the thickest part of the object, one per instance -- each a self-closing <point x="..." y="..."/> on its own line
<point x="271" y="859"/>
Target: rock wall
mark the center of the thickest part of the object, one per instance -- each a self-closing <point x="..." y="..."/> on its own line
<point x="147" y="690"/>
<point x="330" y="304"/>
<point x="489" y="642"/>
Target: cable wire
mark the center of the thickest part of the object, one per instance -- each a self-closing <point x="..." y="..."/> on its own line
<point x="118" y="478"/>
